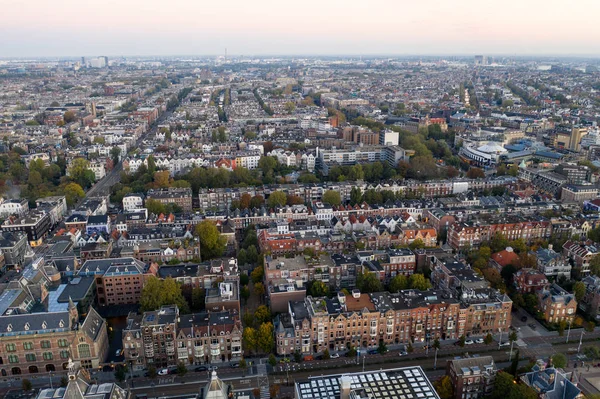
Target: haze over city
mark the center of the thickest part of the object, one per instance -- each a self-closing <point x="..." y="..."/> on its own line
<point x="153" y="27"/>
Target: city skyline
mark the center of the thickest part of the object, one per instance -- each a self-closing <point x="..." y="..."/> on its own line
<point x="148" y="28"/>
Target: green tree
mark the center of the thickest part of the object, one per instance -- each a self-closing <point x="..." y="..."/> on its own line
<point x="326" y="354"/>
<point x="259" y="290"/>
<point x="318" y="288"/>
<point x="155" y="207"/>
<point x="26" y="385"/>
<point x="212" y="243"/>
<point x="444" y="387"/>
<point x="73" y="193"/>
<point x="272" y="360"/>
<point x="382" y="348"/>
<point x="120" y="373"/>
<point x="157" y="293"/>
<point x="242" y="258"/>
<point x="418" y="281"/>
<point x="332" y="197"/>
<point x="559" y="360"/>
<point x="417" y="244"/>
<point x="595" y="265"/>
<point x="368" y="282"/>
<point x="181" y="369"/>
<point x="355" y="196"/>
<point x="277" y="199"/>
<point x="257" y="274"/>
<point x="80" y="172"/>
<point x="398" y="283"/>
<point x="243" y="365"/>
<point x="461" y="341"/>
<point x="579" y="290"/>
<point x="488" y="339"/>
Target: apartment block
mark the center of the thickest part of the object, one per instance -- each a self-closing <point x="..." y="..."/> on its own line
<point x="472" y="377"/>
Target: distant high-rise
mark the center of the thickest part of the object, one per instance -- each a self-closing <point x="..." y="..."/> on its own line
<point x="575" y="140"/>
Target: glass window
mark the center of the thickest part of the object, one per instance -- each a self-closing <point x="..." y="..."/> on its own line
<point x="64" y="354"/>
<point x="63" y="343"/>
<point x="47" y="355"/>
<point x="27" y="345"/>
<point x="46" y="344"/>
<point x="11" y="347"/>
<point x="30" y="357"/>
<point x="13" y="359"/>
<point x="84" y="350"/>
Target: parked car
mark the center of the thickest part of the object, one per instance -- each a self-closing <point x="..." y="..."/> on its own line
<point x="479" y="341"/>
<point x="308" y="358"/>
<point x="507" y="343"/>
<point x="469" y="342"/>
<point x="334" y="355"/>
<point x="234" y="365"/>
<point x="201" y="368"/>
<point x="118" y="352"/>
<point x="403" y="353"/>
<point x="524" y="319"/>
<point x="213" y="368"/>
<point x="163" y="372"/>
<point x="372" y="351"/>
<point x="532" y="326"/>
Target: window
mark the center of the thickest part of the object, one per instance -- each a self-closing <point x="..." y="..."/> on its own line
<point x="45" y="344"/>
<point x="84" y="350"/>
<point x="11" y="348"/>
<point x="64" y="354"/>
<point x="28" y="345"/>
<point x="30" y="357"/>
<point x="63" y="343"/>
<point x="13" y="359"/>
<point x="47" y="355"/>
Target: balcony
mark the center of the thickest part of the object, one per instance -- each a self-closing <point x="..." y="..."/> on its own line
<point x="215" y="352"/>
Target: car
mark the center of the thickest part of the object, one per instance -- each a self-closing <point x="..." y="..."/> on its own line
<point x="479" y="341"/>
<point x="524" y="319"/>
<point x="372" y="351"/>
<point x="469" y="342"/>
<point x="507" y="343"/>
<point x="458" y="343"/>
<point x="403" y="353"/>
<point x="234" y="365"/>
<point x="118" y="352"/>
<point x="201" y="368"/>
<point x="334" y="355"/>
<point x="213" y="368"/>
<point x="532" y="326"/>
<point x="163" y="372"/>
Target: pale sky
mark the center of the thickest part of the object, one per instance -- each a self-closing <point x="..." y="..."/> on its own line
<point x="256" y="27"/>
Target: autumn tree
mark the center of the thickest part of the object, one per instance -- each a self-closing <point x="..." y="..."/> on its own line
<point x="579" y="290"/>
<point x="162" y="179"/>
<point x="475" y="173"/>
<point x="444" y="387"/>
<point x="69" y="116"/>
<point x="212" y="243"/>
<point x="277" y="199"/>
<point x="418" y="281"/>
<point x="158" y="292"/>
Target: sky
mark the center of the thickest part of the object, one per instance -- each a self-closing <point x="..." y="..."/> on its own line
<point x="45" y="28"/>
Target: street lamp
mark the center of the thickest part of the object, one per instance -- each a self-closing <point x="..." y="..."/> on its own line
<point x="569" y="331"/>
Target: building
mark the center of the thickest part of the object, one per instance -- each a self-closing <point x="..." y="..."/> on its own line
<point x="98" y="224"/>
<point x="224" y="297"/>
<point x="551" y="383"/>
<point x="80" y="386"/>
<point x="133" y="201"/>
<point x="529" y="281"/>
<point x="556" y="304"/>
<point x="389" y="137"/>
<point x="17" y="207"/>
<point x="575" y="174"/>
<point x="164" y="338"/>
<point x="581" y="255"/>
<point x="119" y="281"/>
<point x="578" y="193"/>
<point x="14" y="247"/>
<point x="36" y="224"/>
<point x="590" y="304"/>
<point x="552" y="263"/>
<point x="472" y="377"/>
<point x="406" y="383"/>
<point x="178" y="196"/>
<point x="56" y="206"/>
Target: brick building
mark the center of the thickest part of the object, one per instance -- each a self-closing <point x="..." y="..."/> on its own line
<point x="178" y="196"/>
<point x="472" y="377"/>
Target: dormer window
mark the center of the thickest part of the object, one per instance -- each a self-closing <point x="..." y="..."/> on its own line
<point x="44" y="325"/>
<point x="61" y="323"/>
<point x="9" y="328"/>
<point x="26" y="327"/>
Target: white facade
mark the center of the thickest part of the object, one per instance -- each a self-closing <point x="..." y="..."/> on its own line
<point x="132" y="202"/>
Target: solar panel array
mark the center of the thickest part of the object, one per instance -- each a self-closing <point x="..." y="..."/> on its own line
<point x="404" y="383"/>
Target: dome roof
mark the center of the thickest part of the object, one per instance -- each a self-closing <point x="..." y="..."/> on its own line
<point x="492" y="148"/>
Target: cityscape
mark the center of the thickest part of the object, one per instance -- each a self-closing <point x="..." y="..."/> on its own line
<point x="339" y="226"/>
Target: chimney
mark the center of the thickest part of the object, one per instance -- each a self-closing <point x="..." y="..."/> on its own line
<point x="356" y="293"/>
<point x="345" y="385"/>
<point x="550" y="247"/>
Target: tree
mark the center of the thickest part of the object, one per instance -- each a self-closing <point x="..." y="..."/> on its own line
<point x="120" y="373"/>
<point x="277" y="199"/>
<point x="115" y="154"/>
<point x="73" y="193"/>
<point x="461" y="341"/>
<point x="266" y="340"/>
<point x="355" y="195"/>
<point x="157" y="293"/>
<point x="436" y="345"/>
<point x="382" y="348"/>
<point x="368" y="282"/>
<point x="243" y="365"/>
<point x="250" y="338"/>
<point x="326" y="354"/>
<point x="212" y="243"/>
<point x="262" y="314"/>
<point x="595" y="265"/>
<point x="69" y="116"/>
<point x="274" y="391"/>
<point x="559" y="360"/>
<point x="181" y="369"/>
<point x="452" y="172"/>
<point x="488" y="339"/>
<point x="162" y="179"/>
<point x="26" y="385"/>
<point x="332" y="198"/>
<point x="242" y="258"/>
<point x="294" y="200"/>
<point x="318" y="288"/>
<point x="155" y="207"/>
<point x="418" y="281"/>
<point x="259" y="290"/>
<point x="257" y="201"/>
<point x="475" y="173"/>
<point x="505" y="387"/>
<point x="444" y="387"/>
<point x="417" y="244"/>
<point x="257" y="274"/>
<point x="272" y="360"/>
<point x="80" y="172"/>
<point x="579" y="290"/>
<point x="398" y="283"/>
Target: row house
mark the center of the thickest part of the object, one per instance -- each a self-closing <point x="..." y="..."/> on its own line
<point x="204" y="275"/>
<point x="552" y="263"/>
<point x="464" y="235"/>
<point x="590" y="304"/>
<point x="529" y="281"/>
<point x="179" y="196"/>
<point x="164" y="338"/>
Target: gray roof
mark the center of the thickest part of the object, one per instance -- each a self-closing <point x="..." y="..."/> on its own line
<point x="29" y="323"/>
